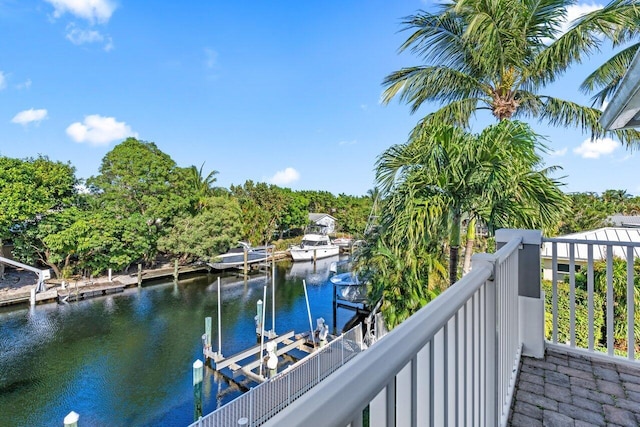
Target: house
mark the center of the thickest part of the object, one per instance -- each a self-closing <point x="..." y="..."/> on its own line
<point x="598" y="239"/>
<point x="619" y="220"/>
<point x="325" y="222"/>
<point x="623" y="110"/>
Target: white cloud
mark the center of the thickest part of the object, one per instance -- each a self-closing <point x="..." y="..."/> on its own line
<point x="25" y="85"/>
<point x="558" y="153"/>
<point x="3" y="80"/>
<point x="98" y="130"/>
<point x="90" y="10"/>
<point x="29" y="116"/>
<point x="79" y="36"/>
<point x="590" y="149"/>
<point x="575" y="11"/>
<point x="284" y="177"/>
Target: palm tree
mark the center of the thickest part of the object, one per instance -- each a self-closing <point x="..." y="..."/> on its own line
<point x="202" y="186"/>
<point x="500" y="55"/>
<point x="443" y="172"/>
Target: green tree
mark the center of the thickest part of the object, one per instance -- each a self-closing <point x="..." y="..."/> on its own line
<point x="294" y="213"/>
<point x="262" y="208"/>
<point x="210" y="232"/>
<point x="501" y="55"/>
<point x="586" y="211"/>
<point x="32" y="187"/>
<point x="620" y="307"/>
<point x="49" y="241"/>
<point x="202" y="186"/>
<point x="137" y="177"/>
<point x="495" y="176"/>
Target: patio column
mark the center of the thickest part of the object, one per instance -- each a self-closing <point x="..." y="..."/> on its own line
<point x="530" y="294"/>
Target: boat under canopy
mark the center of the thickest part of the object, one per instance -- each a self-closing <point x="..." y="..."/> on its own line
<point x="236" y="256"/>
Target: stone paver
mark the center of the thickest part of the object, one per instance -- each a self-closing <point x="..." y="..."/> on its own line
<point x="572" y="390"/>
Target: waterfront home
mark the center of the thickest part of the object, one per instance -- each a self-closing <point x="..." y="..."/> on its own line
<point x="598" y="240"/>
<point x="323" y="221"/>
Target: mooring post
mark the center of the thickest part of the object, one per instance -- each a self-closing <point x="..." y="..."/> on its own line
<point x="335" y="309"/>
<point x="175" y="271"/>
<point x="32" y="298"/>
<point x="110" y="275"/>
<point x="246" y="256"/>
<point x="198" y="375"/>
<point x="207" y="333"/>
<point x="219" y="321"/>
<point x="258" y="319"/>
<point x="139" y="274"/>
<point x="71" y="420"/>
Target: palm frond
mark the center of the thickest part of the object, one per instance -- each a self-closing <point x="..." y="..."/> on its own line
<point x="416" y="85"/>
<point x="607" y="77"/>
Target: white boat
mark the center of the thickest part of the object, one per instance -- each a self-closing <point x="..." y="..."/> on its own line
<point x="314" y="246"/>
<point x="349" y="287"/>
<point x="236" y="256"/>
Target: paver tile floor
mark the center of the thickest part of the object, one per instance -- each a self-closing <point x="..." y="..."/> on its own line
<point x="565" y="389"/>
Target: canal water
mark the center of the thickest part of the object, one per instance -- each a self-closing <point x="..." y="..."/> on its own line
<point x="126" y="359"/>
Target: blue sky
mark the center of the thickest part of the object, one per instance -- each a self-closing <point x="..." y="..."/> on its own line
<point x="281" y="92"/>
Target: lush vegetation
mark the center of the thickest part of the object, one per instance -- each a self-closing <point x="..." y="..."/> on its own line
<point x="498" y="57"/>
<point x="142" y="207"/>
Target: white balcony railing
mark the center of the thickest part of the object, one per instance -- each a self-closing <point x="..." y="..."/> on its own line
<point x="452" y="363"/>
<point x="597" y="284"/>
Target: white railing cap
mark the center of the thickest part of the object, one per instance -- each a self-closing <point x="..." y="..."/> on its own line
<point x="529" y="237"/>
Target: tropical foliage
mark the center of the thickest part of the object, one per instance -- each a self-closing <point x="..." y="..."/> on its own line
<point x="142" y="205"/>
<point x="500" y="56"/>
<point x="445" y="172"/>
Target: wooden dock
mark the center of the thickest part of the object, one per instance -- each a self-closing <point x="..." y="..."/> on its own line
<point x="284" y="344"/>
<point x="86" y="288"/>
<point x="70" y="294"/>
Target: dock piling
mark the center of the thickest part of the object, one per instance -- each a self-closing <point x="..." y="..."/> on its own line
<point x="175" y="271"/>
<point x="71" y="420"/>
<point x="139" y="275"/>
<point x="219" y="320"/>
<point x="207" y="333"/>
<point x="198" y="375"/>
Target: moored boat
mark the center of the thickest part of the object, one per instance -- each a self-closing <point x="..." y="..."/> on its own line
<point x="314" y="246"/>
<point x="349" y="287"/>
<point x="236" y="256"/>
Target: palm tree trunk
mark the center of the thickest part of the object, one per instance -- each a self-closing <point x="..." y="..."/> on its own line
<point x="454" y="247"/>
<point x="468" y="251"/>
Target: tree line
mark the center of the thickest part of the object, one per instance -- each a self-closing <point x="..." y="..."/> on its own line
<point x="496" y="57"/>
<point x="142" y="206"/>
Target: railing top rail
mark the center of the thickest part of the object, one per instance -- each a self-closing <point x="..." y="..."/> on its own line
<point x="509" y="248"/>
<point x="359" y="380"/>
<point x="590" y="242"/>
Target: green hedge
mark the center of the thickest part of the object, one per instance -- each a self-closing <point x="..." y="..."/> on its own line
<point x="582" y="315"/>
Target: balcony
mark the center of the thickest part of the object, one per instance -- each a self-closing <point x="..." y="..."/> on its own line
<point x="478" y="355"/>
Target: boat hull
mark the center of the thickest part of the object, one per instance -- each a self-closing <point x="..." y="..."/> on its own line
<point x="311" y="253"/>
<point x="235" y="261"/>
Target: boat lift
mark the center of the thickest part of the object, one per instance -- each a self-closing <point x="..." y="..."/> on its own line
<point x="42" y="275"/>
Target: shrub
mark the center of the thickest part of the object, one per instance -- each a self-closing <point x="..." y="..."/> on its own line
<point x="582" y="315"/>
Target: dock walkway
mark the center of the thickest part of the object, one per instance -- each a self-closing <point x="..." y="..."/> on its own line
<point x="16" y="289"/>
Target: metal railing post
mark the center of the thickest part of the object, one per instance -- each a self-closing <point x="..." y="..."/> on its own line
<point x="530" y="294"/>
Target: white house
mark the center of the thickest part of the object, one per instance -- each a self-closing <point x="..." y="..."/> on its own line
<point x="599" y="238"/>
<point x="325" y="222"/>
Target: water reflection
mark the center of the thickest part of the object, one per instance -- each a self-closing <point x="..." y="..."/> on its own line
<point x="125" y="359"/>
